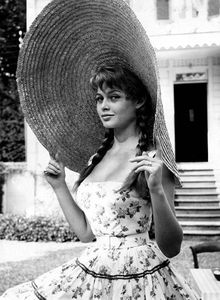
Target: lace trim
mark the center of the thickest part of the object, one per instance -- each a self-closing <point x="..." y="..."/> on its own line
<point x="37" y="294"/>
<point x="126" y="276"/>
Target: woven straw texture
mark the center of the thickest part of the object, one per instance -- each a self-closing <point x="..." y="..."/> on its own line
<point x="65" y="44"/>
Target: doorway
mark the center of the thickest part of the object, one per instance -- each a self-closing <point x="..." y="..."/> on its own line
<point x="190" y="104"/>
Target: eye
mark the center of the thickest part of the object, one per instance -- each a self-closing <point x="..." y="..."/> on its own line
<point x="115" y="97"/>
<point x="98" y="98"/>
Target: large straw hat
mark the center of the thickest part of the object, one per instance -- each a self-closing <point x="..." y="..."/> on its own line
<point x="65" y="44"/>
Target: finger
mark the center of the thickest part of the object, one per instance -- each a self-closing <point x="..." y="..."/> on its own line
<point x="50" y="172"/>
<point x="57" y="156"/>
<point x="144" y="168"/>
<point x="140" y="158"/>
<point x="151" y="153"/>
<point x="53" y="168"/>
<point x="143" y="163"/>
<point x="56" y="159"/>
<point x="158" y="147"/>
<point x="54" y="164"/>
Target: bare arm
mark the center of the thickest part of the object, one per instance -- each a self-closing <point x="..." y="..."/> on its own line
<point x="55" y="175"/>
<point x="168" y="232"/>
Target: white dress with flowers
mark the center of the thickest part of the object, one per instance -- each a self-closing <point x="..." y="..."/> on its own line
<point x="123" y="264"/>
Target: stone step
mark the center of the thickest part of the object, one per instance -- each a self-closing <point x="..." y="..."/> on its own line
<point x="201" y="225"/>
<point x="201" y="233"/>
<point x="195" y="197"/>
<point x="198" y="178"/>
<point x="194" y="166"/>
<point x="193" y="173"/>
<point x="202" y="179"/>
<point x="202" y="210"/>
<point x="211" y="192"/>
<point x="199" y="202"/>
<point x="198" y="184"/>
<point x="198" y="217"/>
<point x="198" y="190"/>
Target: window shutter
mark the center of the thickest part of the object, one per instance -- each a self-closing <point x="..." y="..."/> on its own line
<point x="213" y="7"/>
<point x="162" y="7"/>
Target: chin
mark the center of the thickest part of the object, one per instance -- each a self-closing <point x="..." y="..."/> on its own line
<point x="108" y="126"/>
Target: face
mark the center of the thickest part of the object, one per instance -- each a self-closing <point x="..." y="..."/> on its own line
<point x="114" y="109"/>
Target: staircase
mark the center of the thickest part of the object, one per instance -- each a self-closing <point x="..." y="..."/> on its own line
<point x="197" y="203"/>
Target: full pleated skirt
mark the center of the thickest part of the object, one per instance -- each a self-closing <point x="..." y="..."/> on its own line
<point x="113" y="268"/>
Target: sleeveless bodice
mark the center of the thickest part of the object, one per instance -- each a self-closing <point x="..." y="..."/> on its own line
<point x="113" y="212"/>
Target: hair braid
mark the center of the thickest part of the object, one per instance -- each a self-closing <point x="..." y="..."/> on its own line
<point x="145" y="143"/>
<point x="146" y="131"/>
<point x="97" y="157"/>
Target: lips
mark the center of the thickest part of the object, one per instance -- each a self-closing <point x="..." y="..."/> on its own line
<point x="107" y="115"/>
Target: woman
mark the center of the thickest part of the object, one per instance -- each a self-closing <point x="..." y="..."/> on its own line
<point x="113" y="200"/>
<point x="124" y="107"/>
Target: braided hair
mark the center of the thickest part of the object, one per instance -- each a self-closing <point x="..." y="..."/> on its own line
<point x="97" y="157"/>
<point x="144" y="120"/>
<point x="127" y="81"/>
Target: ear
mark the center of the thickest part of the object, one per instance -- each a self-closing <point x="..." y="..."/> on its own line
<point x="139" y="103"/>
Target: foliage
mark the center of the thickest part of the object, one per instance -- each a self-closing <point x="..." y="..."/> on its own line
<point x="35" y="228"/>
<point x="12" y="124"/>
<point x="12" y="29"/>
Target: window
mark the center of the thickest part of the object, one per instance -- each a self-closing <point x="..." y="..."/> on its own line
<point x="213" y="7"/>
<point x="162" y="7"/>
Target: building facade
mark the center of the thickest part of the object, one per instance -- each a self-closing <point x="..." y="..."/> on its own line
<point x="186" y="37"/>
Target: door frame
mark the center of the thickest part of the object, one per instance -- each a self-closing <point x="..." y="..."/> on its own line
<point x="208" y="80"/>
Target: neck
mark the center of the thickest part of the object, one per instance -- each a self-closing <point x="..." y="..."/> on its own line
<point x="126" y="138"/>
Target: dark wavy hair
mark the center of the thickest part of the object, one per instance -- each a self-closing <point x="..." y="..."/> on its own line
<point x="131" y="85"/>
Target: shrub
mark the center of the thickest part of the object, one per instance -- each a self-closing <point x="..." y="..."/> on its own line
<point x="35" y="228"/>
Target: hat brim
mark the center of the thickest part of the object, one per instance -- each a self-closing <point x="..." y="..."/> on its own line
<point x="65" y="44"/>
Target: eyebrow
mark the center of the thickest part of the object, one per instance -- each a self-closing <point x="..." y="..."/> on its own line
<point x="111" y="91"/>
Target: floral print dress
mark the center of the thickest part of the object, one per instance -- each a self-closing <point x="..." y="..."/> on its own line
<point x="123" y="264"/>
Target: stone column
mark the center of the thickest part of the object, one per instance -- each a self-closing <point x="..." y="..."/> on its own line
<point x="36" y="155"/>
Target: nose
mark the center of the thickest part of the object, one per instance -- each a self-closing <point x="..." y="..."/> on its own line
<point x="105" y="104"/>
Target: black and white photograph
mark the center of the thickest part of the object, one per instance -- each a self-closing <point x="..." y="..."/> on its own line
<point x="110" y="149"/>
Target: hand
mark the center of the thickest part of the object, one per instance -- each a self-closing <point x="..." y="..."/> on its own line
<point x="55" y="172"/>
<point x="152" y="167"/>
